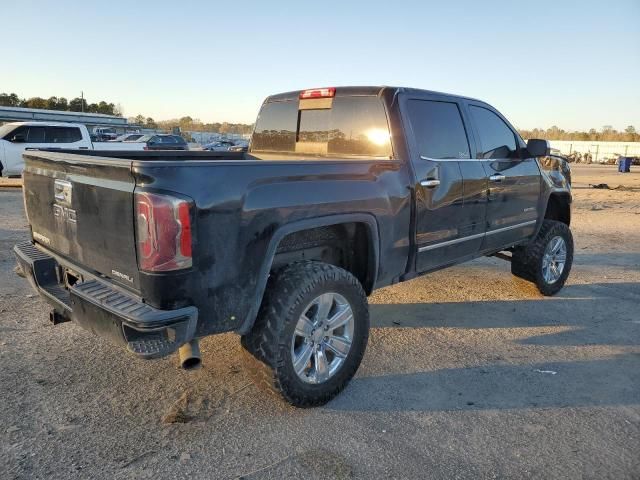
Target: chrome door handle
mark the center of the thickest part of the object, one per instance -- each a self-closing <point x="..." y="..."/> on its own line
<point x="430" y="183"/>
<point x="497" y="178"/>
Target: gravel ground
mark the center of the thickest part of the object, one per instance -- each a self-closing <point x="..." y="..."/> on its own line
<point x="469" y="373"/>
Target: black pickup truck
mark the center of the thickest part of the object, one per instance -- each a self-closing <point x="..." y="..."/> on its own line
<point x="343" y="191"/>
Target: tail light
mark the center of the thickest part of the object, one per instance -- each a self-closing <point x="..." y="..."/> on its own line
<point x="163" y="227"/>
<point x="329" y="92"/>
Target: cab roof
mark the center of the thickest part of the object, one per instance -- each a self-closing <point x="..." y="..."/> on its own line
<point x="364" y="91"/>
<point x="45" y="124"/>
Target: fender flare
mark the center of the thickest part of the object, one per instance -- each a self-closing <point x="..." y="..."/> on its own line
<point x="297" y="226"/>
<point x="545" y="198"/>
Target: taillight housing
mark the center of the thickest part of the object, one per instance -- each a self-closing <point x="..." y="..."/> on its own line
<point x="327" y="92"/>
<point x="163" y="229"/>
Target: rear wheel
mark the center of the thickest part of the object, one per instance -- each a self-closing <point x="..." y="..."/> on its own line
<point x="311" y="333"/>
<point x="547" y="260"/>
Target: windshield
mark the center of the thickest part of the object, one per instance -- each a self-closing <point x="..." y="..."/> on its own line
<point x="353" y="126"/>
<point x="7" y="128"/>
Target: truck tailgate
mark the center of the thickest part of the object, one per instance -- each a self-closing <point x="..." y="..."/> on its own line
<point x="81" y="208"/>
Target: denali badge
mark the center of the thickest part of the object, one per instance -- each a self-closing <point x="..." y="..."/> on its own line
<point x="116" y="273"/>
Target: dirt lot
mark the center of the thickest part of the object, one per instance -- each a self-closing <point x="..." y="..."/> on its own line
<point x="469" y="373"/>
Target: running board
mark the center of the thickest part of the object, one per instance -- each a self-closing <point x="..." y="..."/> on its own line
<point x="502" y="256"/>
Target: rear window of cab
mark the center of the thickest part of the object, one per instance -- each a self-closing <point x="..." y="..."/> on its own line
<point x="350" y="126"/>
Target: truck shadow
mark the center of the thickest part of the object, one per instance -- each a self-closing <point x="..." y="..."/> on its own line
<point x="628" y="260"/>
<point x="587" y="315"/>
<point x="587" y="310"/>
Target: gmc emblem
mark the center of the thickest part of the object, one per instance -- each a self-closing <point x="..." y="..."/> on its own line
<point x="63" y="212"/>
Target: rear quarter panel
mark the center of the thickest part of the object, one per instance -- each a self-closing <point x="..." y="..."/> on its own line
<point x="241" y="206"/>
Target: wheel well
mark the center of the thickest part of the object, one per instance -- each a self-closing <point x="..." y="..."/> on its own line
<point x="558" y="208"/>
<point x="346" y="245"/>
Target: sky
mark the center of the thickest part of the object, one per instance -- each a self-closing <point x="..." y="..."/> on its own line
<point x="574" y="64"/>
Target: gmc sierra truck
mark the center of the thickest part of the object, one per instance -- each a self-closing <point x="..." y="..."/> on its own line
<point x="342" y="191"/>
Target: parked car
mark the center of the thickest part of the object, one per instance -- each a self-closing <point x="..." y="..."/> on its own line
<point x="241" y="146"/>
<point x="17" y="137"/>
<point x="105" y="133"/>
<point x="344" y="191"/>
<point x="218" y="146"/>
<point x="129" y="137"/>
<point x="163" y="142"/>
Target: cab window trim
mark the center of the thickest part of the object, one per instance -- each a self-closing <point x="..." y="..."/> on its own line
<point x="458" y="106"/>
<point x="414" y="149"/>
<point x="479" y="148"/>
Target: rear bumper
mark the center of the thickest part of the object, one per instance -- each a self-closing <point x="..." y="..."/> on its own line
<point x="105" y="310"/>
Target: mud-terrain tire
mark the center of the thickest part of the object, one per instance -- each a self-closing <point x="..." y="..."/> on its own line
<point x="535" y="261"/>
<point x="281" y="335"/>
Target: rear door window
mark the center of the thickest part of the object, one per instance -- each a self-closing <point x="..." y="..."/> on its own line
<point x="438" y="129"/>
<point x="62" y="135"/>
<point x="75" y="135"/>
<point x="353" y="126"/>
<point x="496" y="138"/>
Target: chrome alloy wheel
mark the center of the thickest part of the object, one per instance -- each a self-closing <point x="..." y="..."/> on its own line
<point x="322" y="338"/>
<point x="553" y="260"/>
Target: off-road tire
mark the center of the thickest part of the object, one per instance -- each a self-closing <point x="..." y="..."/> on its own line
<point x="526" y="261"/>
<point x="267" y="348"/>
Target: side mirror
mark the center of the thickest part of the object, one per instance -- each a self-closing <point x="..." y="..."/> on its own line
<point x="19" y="138"/>
<point x="538" y="148"/>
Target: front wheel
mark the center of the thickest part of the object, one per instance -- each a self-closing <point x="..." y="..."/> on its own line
<point x="547" y="260"/>
<point x="311" y="333"/>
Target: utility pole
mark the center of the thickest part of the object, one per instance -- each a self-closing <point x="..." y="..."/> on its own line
<point x="82" y="101"/>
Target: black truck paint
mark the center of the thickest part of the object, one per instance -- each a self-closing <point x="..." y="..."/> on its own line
<point x="385" y="220"/>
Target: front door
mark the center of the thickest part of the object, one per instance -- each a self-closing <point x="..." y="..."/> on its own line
<point x="444" y="234"/>
<point x="30" y="137"/>
<point x="513" y="182"/>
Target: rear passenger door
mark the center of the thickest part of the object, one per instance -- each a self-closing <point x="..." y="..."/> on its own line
<point x="445" y="231"/>
<point x="514" y="181"/>
<point x="63" y="137"/>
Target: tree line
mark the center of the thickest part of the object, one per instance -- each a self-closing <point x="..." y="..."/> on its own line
<point x="77" y="104"/>
<point x="188" y="124"/>
<point x="606" y="134"/>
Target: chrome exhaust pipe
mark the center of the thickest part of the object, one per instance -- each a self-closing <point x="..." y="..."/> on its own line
<point x="190" y="355"/>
